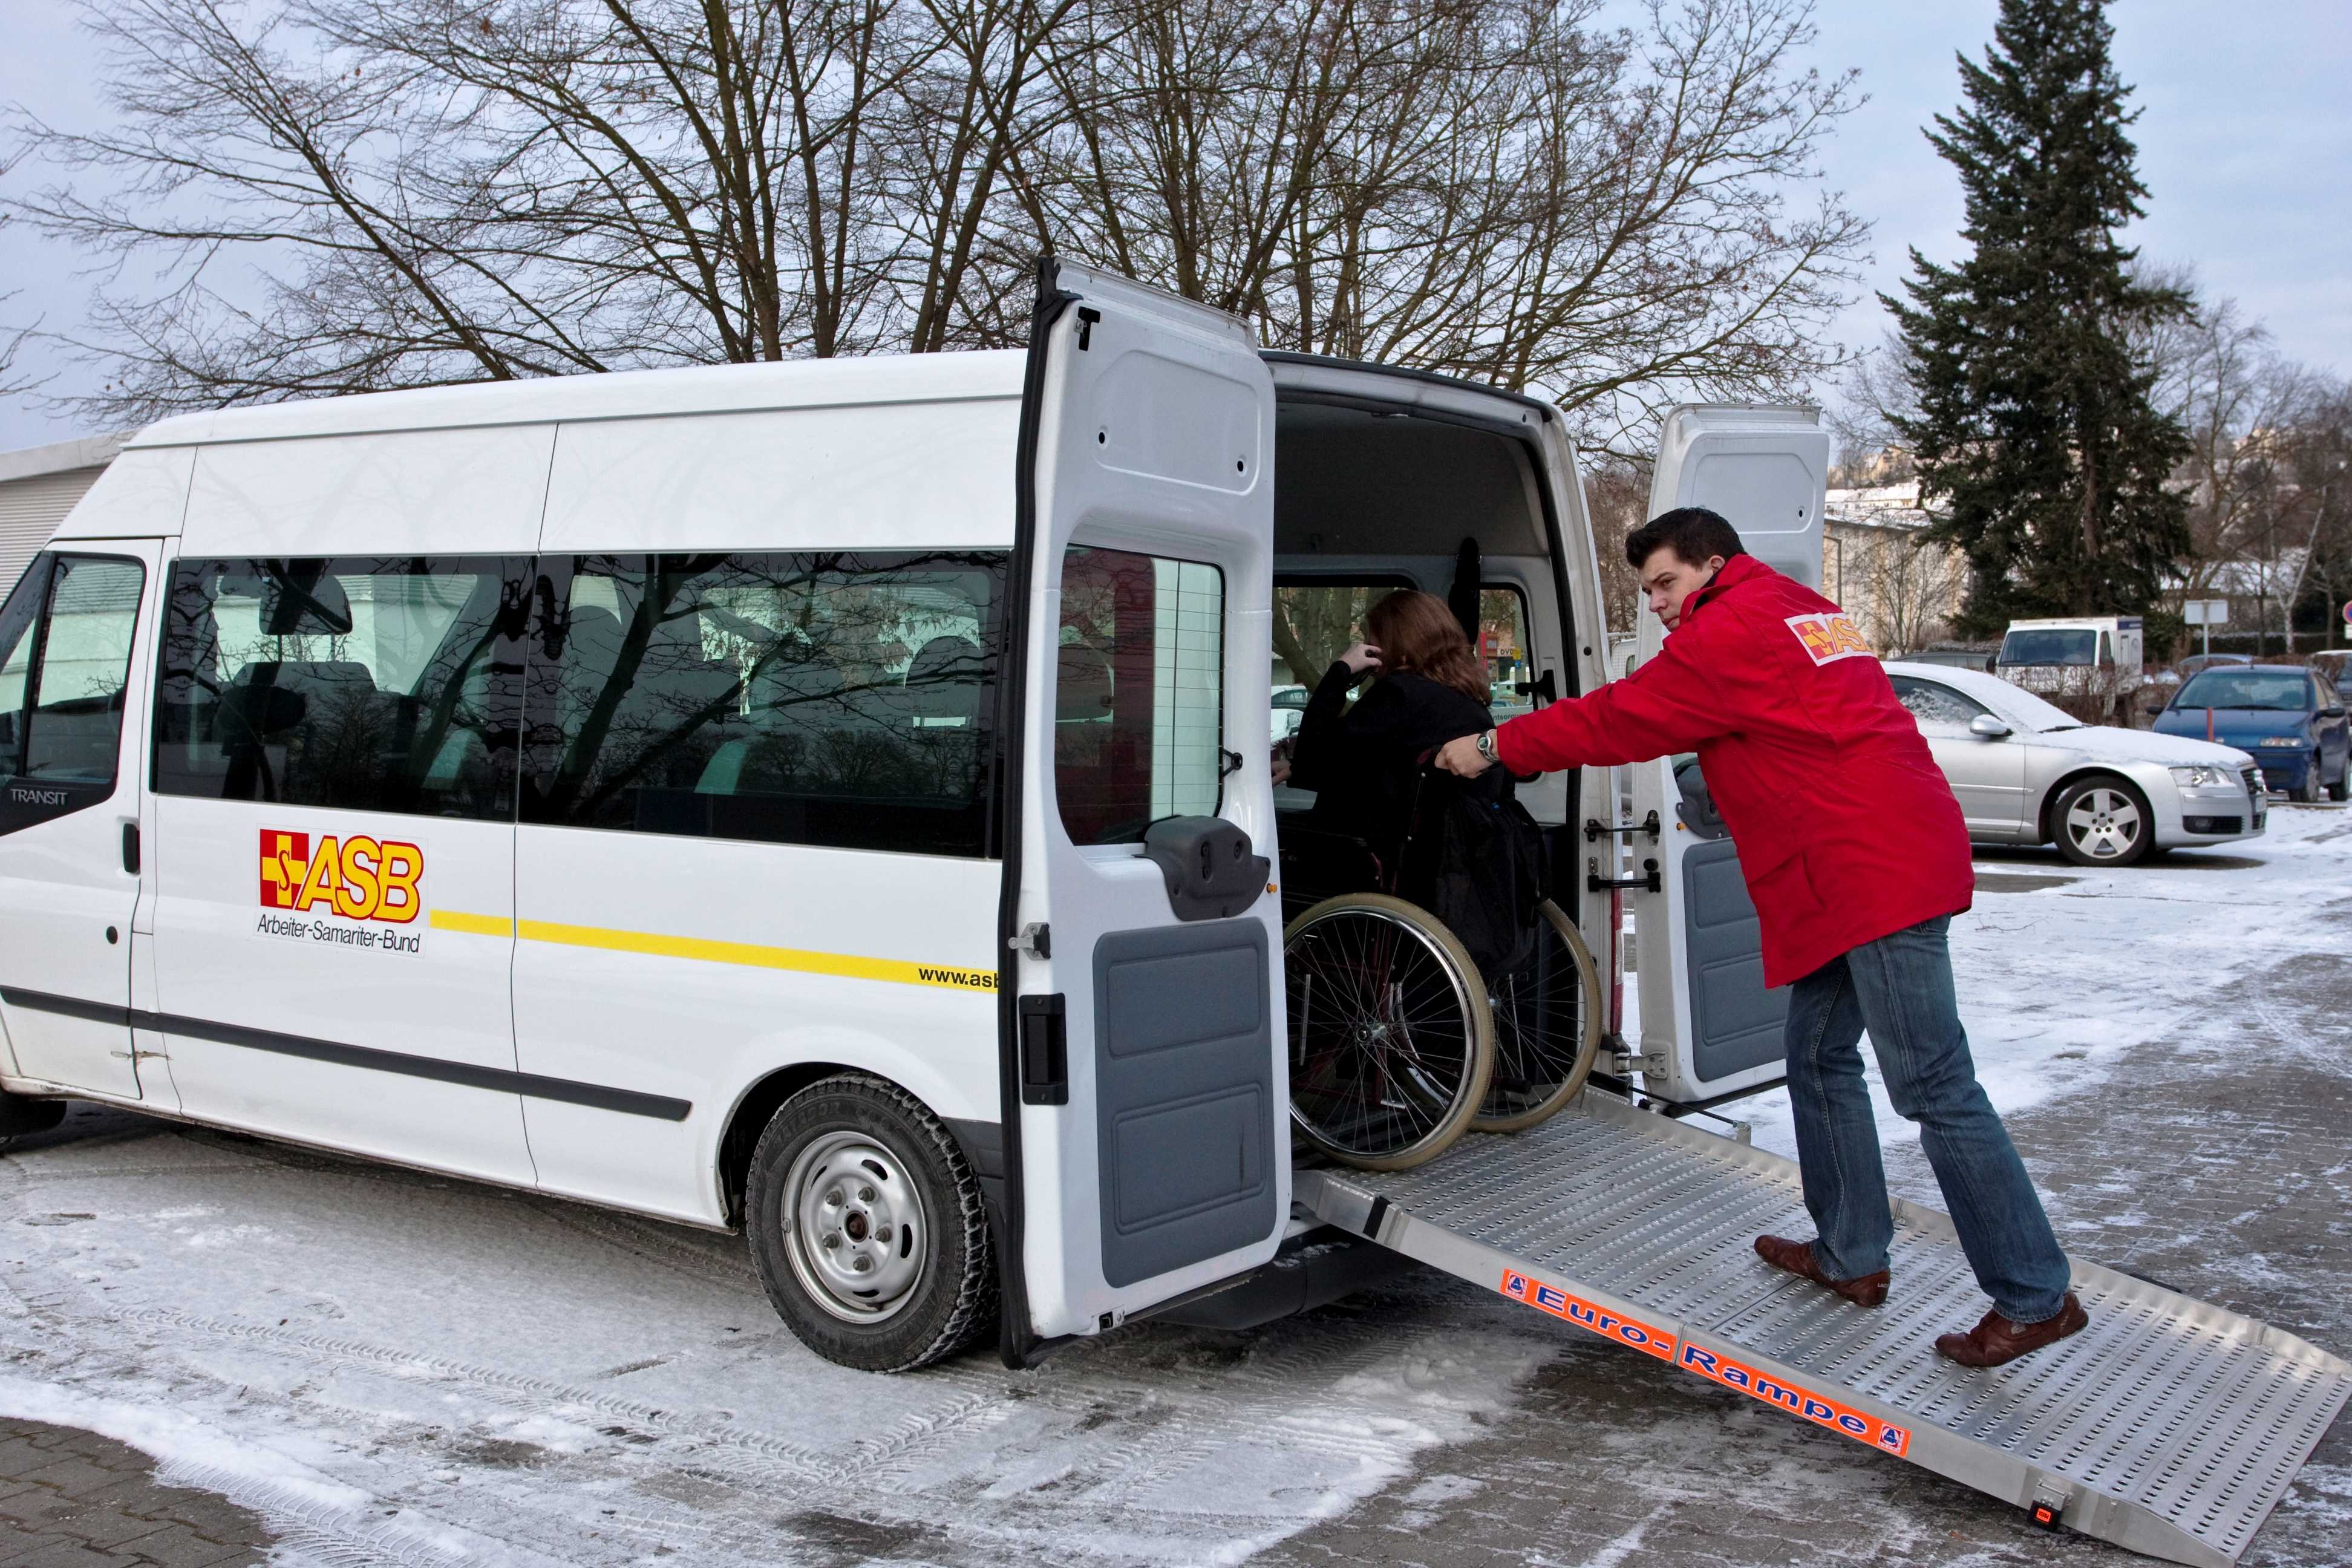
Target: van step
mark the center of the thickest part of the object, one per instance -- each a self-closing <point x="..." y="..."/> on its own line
<point x="2168" y="1427"/>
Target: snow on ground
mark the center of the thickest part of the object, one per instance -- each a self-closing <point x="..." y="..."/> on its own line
<point x="395" y="1368"/>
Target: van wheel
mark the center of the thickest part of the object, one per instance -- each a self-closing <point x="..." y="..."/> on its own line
<point x="2102" y="821"/>
<point x="868" y="1228"/>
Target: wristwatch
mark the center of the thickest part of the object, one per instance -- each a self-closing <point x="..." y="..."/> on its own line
<point x="1487" y="747"/>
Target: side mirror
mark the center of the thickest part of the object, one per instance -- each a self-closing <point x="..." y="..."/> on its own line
<point x="2331" y="713"/>
<point x="1986" y="727"/>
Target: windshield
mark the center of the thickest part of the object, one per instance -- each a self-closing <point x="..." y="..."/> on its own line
<point x="2022" y="708"/>
<point x="2286" y="691"/>
<point x="2053" y="647"/>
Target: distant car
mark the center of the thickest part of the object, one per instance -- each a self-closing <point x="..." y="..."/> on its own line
<point x="2026" y="772"/>
<point x="1289" y="710"/>
<point x="2198" y="662"/>
<point x="1978" y="659"/>
<point x="2288" y="716"/>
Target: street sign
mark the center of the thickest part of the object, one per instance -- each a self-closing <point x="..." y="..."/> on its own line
<point x="2216" y="612"/>
<point x="2348" y="611"/>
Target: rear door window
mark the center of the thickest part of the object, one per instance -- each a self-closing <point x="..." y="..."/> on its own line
<point x="1139" y="721"/>
<point x="1932" y="703"/>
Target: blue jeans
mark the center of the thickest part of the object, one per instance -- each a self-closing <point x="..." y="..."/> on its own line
<point x="1899" y="987"/>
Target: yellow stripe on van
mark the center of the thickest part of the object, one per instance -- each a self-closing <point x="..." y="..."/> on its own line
<point x="472" y="925"/>
<point x="896" y="970"/>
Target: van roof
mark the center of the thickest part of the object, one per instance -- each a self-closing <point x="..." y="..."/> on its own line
<point x="618" y="395"/>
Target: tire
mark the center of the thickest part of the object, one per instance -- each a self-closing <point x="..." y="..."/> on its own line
<point x="1391" y="1046"/>
<point x="2342" y="788"/>
<point x="2307" y="792"/>
<point x="859" y="1160"/>
<point x="2101" y="820"/>
<point x="1547" y="1028"/>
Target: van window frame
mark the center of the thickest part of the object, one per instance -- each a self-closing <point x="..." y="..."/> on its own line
<point x="66" y="796"/>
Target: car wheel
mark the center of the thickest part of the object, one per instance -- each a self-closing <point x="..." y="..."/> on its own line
<point x="2103" y="821"/>
<point x="2307" y="793"/>
<point x="2342" y="788"/>
<point x="868" y="1228"/>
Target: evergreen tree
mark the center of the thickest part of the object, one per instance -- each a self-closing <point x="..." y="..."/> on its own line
<point x="2035" y="424"/>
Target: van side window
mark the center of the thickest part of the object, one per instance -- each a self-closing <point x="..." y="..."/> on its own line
<point x="834" y="699"/>
<point x="1139" y="721"/>
<point x="65" y="662"/>
<point x="358" y="683"/>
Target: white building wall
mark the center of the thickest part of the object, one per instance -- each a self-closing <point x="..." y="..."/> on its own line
<point x="37" y="487"/>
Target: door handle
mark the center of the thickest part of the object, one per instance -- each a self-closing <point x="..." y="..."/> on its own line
<point x="131" y="848"/>
<point x="1044" y="1051"/>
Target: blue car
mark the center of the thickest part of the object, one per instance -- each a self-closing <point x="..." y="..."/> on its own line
<point x="2290" y="719"/>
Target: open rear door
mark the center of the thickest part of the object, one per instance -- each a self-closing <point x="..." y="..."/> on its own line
<point x="1146" y="1101"/>
<point x="1708" y="1026"/>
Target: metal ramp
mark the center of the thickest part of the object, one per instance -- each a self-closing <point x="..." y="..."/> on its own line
<point x="2168" y="1427"/>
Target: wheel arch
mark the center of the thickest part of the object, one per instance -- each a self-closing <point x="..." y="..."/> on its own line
<point x="758" y="1104"/>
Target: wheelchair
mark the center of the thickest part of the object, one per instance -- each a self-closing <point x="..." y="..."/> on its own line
<point x="1399" y="1045"/>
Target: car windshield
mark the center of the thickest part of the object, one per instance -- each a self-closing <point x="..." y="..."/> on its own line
<point x="2022" y="708"/>
<point x="2285" y="690"/>
<point x="2057" y="646"/>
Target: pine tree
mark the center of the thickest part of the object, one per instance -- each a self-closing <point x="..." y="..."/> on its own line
<point x="2035" y="425"/>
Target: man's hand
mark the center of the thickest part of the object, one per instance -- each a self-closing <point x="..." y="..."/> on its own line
<point x="1462" y="756"/>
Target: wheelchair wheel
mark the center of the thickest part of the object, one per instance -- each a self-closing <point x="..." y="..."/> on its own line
<point x="1546" y="1027"/>
<point x="1391" y="1045"/>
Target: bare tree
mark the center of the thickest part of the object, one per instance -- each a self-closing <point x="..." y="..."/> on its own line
<point x="307" y="196"/>
<point x="1908" y="585"/>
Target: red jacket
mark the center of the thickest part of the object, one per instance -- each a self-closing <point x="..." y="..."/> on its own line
<point x="1846" y="829"/>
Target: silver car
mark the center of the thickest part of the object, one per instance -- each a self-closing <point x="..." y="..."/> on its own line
<point x="2025" y="772"/>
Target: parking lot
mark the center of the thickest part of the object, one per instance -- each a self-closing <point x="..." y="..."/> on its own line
<point x="388" y="1367"/>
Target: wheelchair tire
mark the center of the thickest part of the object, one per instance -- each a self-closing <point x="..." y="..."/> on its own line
<point x="1547" y="1028"/>
<point x="1391" y="1042"/>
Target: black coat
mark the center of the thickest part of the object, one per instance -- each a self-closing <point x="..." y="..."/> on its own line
<point x="1363" y="763"/>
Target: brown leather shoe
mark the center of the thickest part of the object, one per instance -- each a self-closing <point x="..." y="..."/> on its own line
<point x="1997" y="1340"/>
<point x="1797" y="1257"/>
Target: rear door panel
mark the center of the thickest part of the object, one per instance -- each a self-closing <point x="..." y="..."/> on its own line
<point x="1710" y="1028"/>
<point x="1151" y="1154"/>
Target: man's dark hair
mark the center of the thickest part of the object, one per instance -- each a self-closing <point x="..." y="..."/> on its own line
<point x="1692" y="532"/>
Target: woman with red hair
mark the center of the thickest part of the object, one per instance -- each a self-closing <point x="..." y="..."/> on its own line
<point x="1363" y="761"/>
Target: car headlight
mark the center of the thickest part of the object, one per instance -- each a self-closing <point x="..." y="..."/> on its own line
<point x="2204" y="777"/>
<point x="2283" y="741"/>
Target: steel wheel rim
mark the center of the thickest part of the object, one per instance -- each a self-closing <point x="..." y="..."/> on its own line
<point x="1400" y="1072"/>
<point x="2103" y="823"/>
<point x="854" y="1227"/>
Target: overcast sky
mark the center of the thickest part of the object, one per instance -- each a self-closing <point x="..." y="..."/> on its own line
<point x="2245" y="142"/>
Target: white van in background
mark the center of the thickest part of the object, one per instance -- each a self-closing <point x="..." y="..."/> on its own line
<point x="2094" y="662"/>
<point x="723" y="793"/>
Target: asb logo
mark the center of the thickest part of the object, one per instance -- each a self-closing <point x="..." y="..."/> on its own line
<point x="1829" y="637"/>
<point x="358" y="877"/>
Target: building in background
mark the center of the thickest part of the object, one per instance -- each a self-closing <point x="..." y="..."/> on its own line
<point x="37" y="487"/>
<point x="1901" y="588"/>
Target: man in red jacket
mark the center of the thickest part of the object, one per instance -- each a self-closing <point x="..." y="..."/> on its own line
<point x="1857" y="858"/>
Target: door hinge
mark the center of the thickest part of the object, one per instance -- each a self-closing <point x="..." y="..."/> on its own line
<point x="1036" y="940"/>
<point x="1087" y="317"/>
<point x="1594" y="827"/>
<point x="1647" y="882"/>
<point x="1624" y="1064"/>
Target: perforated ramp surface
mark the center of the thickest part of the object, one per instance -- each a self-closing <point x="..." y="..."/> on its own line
<point x="2168" y="1426"/>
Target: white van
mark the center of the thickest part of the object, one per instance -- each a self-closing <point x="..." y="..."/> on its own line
<point x="2094" y="659"/>
<point x="717" y="793"/>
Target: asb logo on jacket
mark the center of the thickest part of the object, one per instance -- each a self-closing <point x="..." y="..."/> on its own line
<point x="1826" y="638"/>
